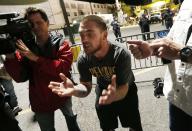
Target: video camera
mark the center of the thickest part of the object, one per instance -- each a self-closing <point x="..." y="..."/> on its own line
<point x="158" y="85"/>
<point x="12" y="30"/>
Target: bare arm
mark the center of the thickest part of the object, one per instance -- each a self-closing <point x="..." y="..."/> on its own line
<point x="83" y="89"/>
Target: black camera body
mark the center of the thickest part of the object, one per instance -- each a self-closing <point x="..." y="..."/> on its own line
<point x="158" y="87"/>
<point x="13" y="29"/>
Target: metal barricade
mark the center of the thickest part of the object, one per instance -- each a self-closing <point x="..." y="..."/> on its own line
<point x="151" y="61"/>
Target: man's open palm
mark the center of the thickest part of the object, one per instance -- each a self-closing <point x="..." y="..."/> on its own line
<point x="108" y="95"/>
<point x="64" y="88"/>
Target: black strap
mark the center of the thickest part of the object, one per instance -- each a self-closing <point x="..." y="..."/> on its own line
<point x="188" y="34"/>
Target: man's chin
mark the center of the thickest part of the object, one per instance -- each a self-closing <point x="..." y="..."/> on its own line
<point x="88" y="52"/>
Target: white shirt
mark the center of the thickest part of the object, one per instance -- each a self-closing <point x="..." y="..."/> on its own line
<point x="178" y="78"/>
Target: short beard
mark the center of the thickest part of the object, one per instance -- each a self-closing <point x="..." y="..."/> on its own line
<point x="93" y="52"/>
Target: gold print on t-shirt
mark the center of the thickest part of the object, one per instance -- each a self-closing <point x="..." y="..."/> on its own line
<point x="104" y="71"/>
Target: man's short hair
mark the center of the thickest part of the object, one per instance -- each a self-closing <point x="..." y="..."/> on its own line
<point x="98" y="20"/>
<point x="32" y="10"/>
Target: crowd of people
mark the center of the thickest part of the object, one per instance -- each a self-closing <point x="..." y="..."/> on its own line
<point x="116" y="91"/>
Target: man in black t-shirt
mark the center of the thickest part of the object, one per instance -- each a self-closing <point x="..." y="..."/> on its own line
<point x="116" y="92"/>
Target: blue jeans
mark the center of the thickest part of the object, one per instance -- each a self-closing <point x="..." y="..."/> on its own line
<point x="179" y="120"/>
<point x="9" y="88"/>
<point x="46" y="120"/>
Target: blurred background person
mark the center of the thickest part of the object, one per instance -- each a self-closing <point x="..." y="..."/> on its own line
<point x="168" y="18"/>
<point x="116" y="29"/>
<point x="144" y="25"/>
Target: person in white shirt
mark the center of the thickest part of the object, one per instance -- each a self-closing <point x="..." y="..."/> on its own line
<point x="177" y="82"/>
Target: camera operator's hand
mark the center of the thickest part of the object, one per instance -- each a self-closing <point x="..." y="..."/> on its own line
<point x="24" y="50"/>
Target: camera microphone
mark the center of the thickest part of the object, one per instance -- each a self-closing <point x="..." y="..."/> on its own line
<point x="9" y="15"/>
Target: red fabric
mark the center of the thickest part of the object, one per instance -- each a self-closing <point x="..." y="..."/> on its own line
<point x="42" y="72"/>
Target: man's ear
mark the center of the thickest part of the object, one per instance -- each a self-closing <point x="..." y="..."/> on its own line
<point x="105" y="34"/>
<point x="47" y="23"/>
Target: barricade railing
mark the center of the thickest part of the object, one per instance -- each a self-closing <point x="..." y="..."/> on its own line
<point x="151" y="61"/>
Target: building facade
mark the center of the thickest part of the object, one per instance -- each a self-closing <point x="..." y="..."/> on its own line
<point x="75" y="9"/>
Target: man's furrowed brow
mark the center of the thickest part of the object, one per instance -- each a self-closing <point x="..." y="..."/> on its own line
<point x="85" y="30"/>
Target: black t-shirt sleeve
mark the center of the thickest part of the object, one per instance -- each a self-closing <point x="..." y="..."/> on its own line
<point x="82" y="65"/>
<point x="123" y="68"/>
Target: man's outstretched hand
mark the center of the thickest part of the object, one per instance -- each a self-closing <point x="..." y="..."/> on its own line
<point x="164" y="48"/>
<point x="65" y="88"/>
<point x="109" y="95"/>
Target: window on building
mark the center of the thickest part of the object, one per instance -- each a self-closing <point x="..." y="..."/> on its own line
<point x="81" y="12"/>
<point x="97" y="6"/>
<point x="75" y="13"/>
<point x="66" y="5"/>
<point x="73" y="5"/>
<point x="68" y="14"/>
<point x="80" y="6"/>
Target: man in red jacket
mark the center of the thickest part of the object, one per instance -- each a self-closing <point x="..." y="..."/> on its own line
<point x="41" y="61"/>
